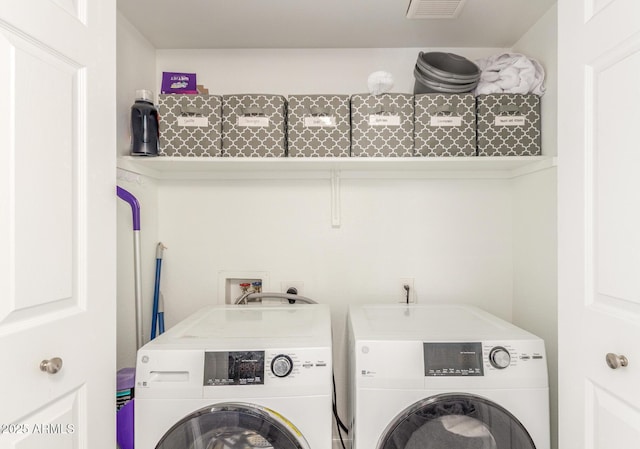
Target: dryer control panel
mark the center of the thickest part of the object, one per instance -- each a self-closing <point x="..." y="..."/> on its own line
<point x="461" y="359"/>
<point x="449" y="364"/>
<point x="453" y="359"/>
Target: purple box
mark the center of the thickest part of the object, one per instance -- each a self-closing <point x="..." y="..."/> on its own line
<point x="125" y="407"/>
<point x="178" y="83"/>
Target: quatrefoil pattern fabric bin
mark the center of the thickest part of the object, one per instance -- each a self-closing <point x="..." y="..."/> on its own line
<point x="508" y="125"/>
<point x="190" y="125"/>
<point x="254" y="126"/>
<point x="318" y="126"/>
<point x="445" y="124"/>
<point x="382" y="125"/>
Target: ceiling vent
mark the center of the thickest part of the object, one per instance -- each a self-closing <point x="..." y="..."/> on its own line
<point x="434" y="9"/>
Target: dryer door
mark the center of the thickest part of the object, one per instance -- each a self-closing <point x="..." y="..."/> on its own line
<point x="233" y="426"/>
<point x="455" y="421"/>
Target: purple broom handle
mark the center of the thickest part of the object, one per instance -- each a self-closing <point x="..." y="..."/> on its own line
<point x="135" y="211"/>
<point x="135" y="206"/>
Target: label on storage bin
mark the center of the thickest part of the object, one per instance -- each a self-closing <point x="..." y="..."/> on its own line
<point x="384" y="120"/>
<point x="253" y="122"/>
<point x="510" y="120"/>
<point x="195" y="122"/>
<point x="446" y="121"/>
<point x="320" y="122"/>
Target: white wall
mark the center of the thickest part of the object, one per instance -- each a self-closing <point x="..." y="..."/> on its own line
<point x="299" y="71"/>
<point x="535" y="294"/>
<point x="136" y="59"/>
<point x="452" y="236"/>
<point x="535" y="297"/>
<point x="135" y="70"/>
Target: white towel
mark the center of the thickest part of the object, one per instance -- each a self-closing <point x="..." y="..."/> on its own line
<point x="510" y="73"/>
<point x="380" y="83"/>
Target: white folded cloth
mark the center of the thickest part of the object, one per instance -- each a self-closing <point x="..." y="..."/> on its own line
<point x="512" y="73"/>
<point x="380" y="82"/>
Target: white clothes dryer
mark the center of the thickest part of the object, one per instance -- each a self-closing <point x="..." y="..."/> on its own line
<point x="445" y="376"/>
<point x="238" y="377"/>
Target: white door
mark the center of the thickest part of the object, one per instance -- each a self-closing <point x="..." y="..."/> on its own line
<point x="599" y="223"/>
<point x="57" y="215"/>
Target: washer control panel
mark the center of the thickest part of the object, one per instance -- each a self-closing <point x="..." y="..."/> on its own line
<point x="234" y="368"/>
<point x="296" y="364"/>
<point x="224" y="368"/>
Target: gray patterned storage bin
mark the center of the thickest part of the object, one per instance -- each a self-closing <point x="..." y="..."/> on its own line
<point x="254" y="125"/>
<point x="190" y="125"/>
<point x="382" y="125"/>
<point x="445" y="124"/>
<point x="508" y="125"/>
<point x="318" y="125"/>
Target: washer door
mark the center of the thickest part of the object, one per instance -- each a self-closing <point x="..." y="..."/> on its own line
<point x="233" y="426"/>
<point x="455" y="421"/>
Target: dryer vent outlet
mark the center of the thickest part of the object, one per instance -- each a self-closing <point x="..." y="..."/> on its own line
<point x="406" y="290"/>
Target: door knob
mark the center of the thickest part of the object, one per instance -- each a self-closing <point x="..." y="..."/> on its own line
<point x="51" y="366"/>
<point x="615" y="361"/>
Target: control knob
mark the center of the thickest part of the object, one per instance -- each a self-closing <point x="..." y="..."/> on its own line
<point x="499" y="357"/>
<point x="281" y="365"/>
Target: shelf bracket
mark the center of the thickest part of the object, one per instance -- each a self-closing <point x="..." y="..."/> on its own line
<point x="129" y="176"/>
<point x="335" y="198"/>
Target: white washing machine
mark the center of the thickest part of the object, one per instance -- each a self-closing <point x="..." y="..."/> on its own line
<point x="436" y="377"/>
<point x="238" y="377"/>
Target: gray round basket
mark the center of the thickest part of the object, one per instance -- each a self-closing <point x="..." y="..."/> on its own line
<point x="445" y="72"/>
<point x="424" y="85"/>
